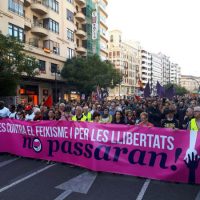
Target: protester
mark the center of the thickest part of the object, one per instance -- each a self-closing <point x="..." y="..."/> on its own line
<point x="13" y="113"/>
<point x="144" y="120"/>
<point x="129" y="118"/>
<point x="29" y="113"/>
<point x="51" y="115"/>
<point x="162" y="112"/>
<point x="57" y="115"/>
<point x="4" y="112"/>
<point x="188" y="116"/>
<point x="38" y="115"/>
<point x="87" y="114"/>
<point x="154" y="114"/>
<point x="195" y="122"/>
<point x="106" y="117"/>
<point x="96" y="117"/>
<point x="169" y="121"/>
<point x="118" y="118"/>
<point x="79" y="115"/>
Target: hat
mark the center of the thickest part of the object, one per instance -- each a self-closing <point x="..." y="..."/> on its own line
<point x="27" y="108"/>
<point x="197" y="109"/>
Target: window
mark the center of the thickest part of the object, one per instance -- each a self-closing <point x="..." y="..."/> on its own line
<point x="54" y="47"/>
<point x="70" y="35"/>
<point x="51" y="25"/>
<point x="70" y="16"/>
<point x="70" y="53"/>
<point x="16" y="6"/>
<point x="111" y="38"/>
<point x="16" y="32"/>
<point x="42" y="66"/>
<point x="53" y="4"/>
<point x="54" y="68"/>
<point x="71" y="1"/>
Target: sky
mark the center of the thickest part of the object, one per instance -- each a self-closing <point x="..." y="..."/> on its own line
<point x="168" y="26"/>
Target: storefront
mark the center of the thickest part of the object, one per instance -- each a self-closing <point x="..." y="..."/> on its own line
<point x="29" y="94"/>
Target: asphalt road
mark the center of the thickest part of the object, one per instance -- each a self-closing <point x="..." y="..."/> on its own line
<point x="28" y="179"/>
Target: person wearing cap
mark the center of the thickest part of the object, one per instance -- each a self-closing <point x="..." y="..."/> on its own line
<point x="30" y="114"/>
<point x="169" y="121"/>
<point x="4" y="112"/>
<point x="195" y="122"/>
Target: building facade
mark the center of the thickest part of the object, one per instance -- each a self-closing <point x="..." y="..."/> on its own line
<point x="191" y="83"/>
<point x="52" y="31"/>
<point x="175" y="73"/>
<point x="156" y="73"/>
<point x="166" y="68"/>
<point x="125" y="56"/>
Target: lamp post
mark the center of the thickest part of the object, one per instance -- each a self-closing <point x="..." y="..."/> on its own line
<point x="55" y="70"/>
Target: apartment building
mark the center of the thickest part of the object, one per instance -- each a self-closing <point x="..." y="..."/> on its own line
<point x="125" y="57"/>
<point x="175" y="73"/>
<point x="191" y="83"/>
<point x="103" y="28"/>
<point x="146" y="66"/>
<point x="166" y="68"/>
<point x="156" y="73"/>
<point x="52" y="31"/>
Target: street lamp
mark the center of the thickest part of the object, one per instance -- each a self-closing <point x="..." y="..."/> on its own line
<point x="55" y="70"/>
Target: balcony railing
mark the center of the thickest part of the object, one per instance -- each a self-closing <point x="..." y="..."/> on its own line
<point x="40" y="7"/>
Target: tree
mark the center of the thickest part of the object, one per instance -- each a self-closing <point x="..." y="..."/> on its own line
<point x="14" y="64"/>
<point x="179" y="89"/>
<point x="85" y="74"/>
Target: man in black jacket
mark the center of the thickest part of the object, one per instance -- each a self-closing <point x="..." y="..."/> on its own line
<point x="154" y="114"/>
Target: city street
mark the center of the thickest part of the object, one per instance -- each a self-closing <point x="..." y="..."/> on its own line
<point x="28" y="179"/>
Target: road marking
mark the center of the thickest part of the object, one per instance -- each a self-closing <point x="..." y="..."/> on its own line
<point x="7" y="162"/>
<point x="25" y="178"/>
<point x="143" y="189"/>
<point x="81" y="184"/>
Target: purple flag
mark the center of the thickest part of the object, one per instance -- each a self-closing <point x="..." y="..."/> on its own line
<point x="170" y="92"/>
<point x="147" y="91"/>
<point x="160" y="90"/>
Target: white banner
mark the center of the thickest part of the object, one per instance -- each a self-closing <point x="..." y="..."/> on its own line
<point x="94" y="25"/>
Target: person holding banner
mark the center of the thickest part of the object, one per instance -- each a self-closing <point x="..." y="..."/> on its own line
<point x="192" y="158"/>
<point x="118" y="118"/>
<point x="144" y="120"/>
<point x="4" y="112"/>
<point x="79" y="115"/>
<point x="96" y="117"/>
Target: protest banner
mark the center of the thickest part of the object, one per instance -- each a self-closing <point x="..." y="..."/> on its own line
<point x="155" y="153"/>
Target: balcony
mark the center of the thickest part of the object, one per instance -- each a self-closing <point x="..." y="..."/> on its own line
<point x="81" y="50"/>
<point x="103" y="9"/>
<point x="39" y="7"/>
<point x="27" y="24"/>
<point x="27" y="3"/>
<point x="103" y="36"/>
<point x="38" y="30"/>
<point x="80" y="16"/>
<point x="82" y="3"/>
<point x="81" y="33"/>
<point x="103" y="23"/>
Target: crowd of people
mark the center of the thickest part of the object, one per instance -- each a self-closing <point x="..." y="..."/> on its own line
<point x="151" y="112"/>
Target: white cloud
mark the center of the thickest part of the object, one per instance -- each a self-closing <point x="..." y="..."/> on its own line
<point x="169" y="26"/>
